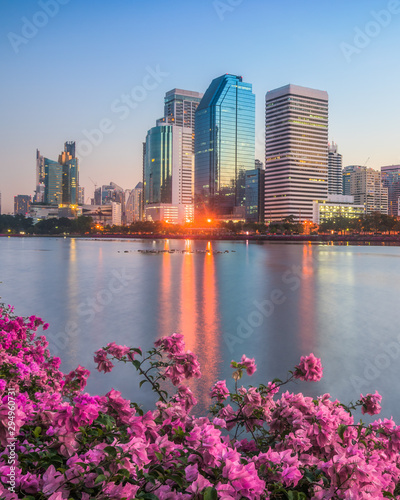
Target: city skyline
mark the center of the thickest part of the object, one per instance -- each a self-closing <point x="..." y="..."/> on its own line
<point x="332" y="47"/>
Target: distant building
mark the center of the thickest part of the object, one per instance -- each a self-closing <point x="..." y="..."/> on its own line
<point x="346" y="174"/>
<point x="60" y="179"/>
<point x="180" y="107"/>
<point x="168" y="172"/>
<point x="336" y="206"/>
<point x="391" y="180"/>
<point x="134" y="204"/>
<point x="254" y="195"/>
<point x="40" y="178"/>
<point x="81" y="195"/>
<point x="109" y="214"/>
<point x="108" y="193"/>
<point x="296" y="151"/>
<point x="224" y="147"/>
<point x="53" y="182"/>
<point x="367" y="188"/>
<point x="22" y="203"/>
<point x="42" y="212"/>
<point x="335" y="180"/>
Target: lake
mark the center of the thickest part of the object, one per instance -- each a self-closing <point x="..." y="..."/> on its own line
<point x="271" y="301"/>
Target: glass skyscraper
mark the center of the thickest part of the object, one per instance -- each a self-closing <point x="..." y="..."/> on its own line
<point x="391" y="180"/>
<point x="61" y="179"/>
<point x="53" y="172"/>
<point x="158" y="165"/>
<point x="224" y="147"/>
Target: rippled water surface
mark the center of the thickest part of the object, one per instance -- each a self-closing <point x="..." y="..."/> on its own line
<point x="274" y="302"/>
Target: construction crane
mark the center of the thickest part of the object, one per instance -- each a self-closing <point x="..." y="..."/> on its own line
<point x="95" y="187"/>
<point x="366" y="161"/>
<point x="95" y="183"/>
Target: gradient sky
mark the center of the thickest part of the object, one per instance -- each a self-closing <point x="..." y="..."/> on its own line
<point x="73" y="72"/>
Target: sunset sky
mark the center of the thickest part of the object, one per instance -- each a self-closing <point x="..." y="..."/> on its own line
<point x="65" y="73"/>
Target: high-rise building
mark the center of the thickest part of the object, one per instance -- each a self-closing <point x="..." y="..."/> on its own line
<point x="53" y="181"/>
<point x="335" y="180"/>
<point x="180" y="107"/>
<point x="391" y="180"/>
<point x="60" y="179"/>
<point x="108" y="193"/>
<point x="168" y="171"/>
<point x="255" y="195"/>
<point x="367" y="188"/>
<point x="70" y="178"/>
<point x="81" y="195"/>
<point x="224" y="147"/>
<point x="346" y="174"/>
<point x="134" y="204"/>
<point x="296" y="151"/>
<point x="22" y="203"/>
<point x="40" y="178"/>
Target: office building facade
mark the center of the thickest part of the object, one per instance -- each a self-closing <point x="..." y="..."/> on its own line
<point x="60" y="178"/>
<point x="335" y="179"/>
<point x="296" y="151"/>
<point x="336" y="206"/>
<point x="254" y="195"/>
<point x="168" y="171"/>
<point x="367" y="188"/>
<point x="391" y="180"/>
<point x="346" y="175"/>
<point x="224" y="147"/>
<point x="22" y="204"/>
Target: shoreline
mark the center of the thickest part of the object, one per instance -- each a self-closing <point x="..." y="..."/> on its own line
<point x="322" y="238"/>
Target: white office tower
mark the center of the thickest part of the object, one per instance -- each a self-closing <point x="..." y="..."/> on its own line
<point x="367" y="188"/>
<point x="180" y="107"/>
<point x="335" y="179"/>
<point x="296" y="151"/>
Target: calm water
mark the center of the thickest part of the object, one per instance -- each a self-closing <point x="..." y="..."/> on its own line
<point x="274" y="302"/>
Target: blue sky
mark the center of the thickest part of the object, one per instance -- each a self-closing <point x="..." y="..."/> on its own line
<point x="70" y="72"/>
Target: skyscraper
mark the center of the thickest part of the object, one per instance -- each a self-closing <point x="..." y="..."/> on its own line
<point x="391" y="179"/>
<point x="224" y="147"/>
<point x="22" y="203"/>
<point x="61" y="179"/>
<point x="346" y="175"/>
<point x="296" y="151"/>
<point x="53" y="182"/>
<point x="168" y="176"/>
<point x="335" y="181"/>
<point x="367" y="188"/>
<point x="180" y="107"/>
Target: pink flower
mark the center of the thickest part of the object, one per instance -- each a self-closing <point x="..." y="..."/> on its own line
<point x="118" y="351"/>
<point x="370" y="403"/>
<point x="103" y="363"/>
<point x="219" y="391"/>
<point x="248" y="364"/>
<point x="174" y="344"/>
<point x="309" y="369"/>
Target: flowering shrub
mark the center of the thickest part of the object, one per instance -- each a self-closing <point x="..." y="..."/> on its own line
<point x="58" y="442"/>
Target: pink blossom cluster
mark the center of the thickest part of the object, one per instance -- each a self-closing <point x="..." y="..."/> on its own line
<point x="309" y="369"/>
<point x="70" y="444"/>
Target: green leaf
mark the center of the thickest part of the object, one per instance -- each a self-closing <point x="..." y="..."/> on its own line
<point x="210" y="493"/>
<point x="142" y="382"/>
<point x="387" y="494"/>
<point x="100" y="479"/>
<point x="136" y="364"/>
<point x="177" y="479"/>
<point x="110" y="450"/>
<point x="341" y="429"/>
<point x="37" y="432"/>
